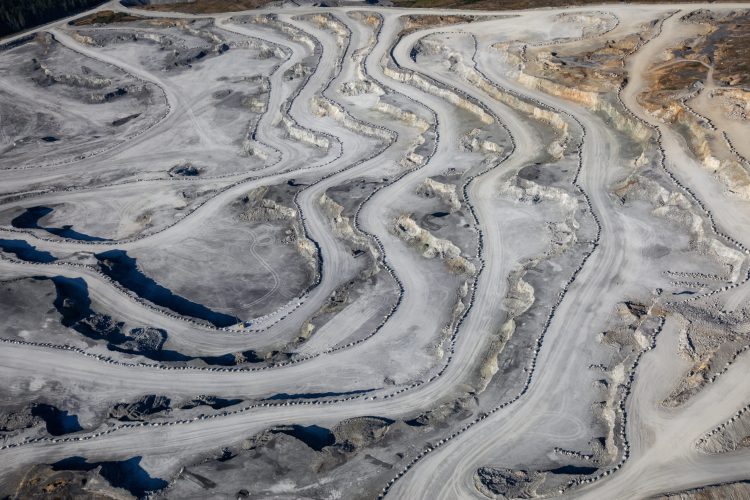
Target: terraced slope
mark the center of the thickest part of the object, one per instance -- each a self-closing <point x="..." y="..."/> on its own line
<point x="359" y="252"/>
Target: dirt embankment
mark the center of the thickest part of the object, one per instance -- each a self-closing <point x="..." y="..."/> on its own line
<point x="590" y="76"/>
<point x="726" y="491"/>
<point x="431" y="247"/>
<point x="717" y="56"/>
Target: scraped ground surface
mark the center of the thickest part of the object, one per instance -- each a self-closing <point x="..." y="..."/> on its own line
<point x="364" y="252"/>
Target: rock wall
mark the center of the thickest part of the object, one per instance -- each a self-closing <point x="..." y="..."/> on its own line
<point x="431" y="247"/>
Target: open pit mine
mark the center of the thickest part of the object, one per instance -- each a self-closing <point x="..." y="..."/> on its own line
<point x="363" y="251"/>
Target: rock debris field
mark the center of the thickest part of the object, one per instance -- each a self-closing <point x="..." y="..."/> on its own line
<point x="367" y="252"/>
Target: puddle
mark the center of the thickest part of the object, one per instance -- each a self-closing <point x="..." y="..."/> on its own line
<point x="74" y="304"/>
<point x="26" y="252"/>
<point x="126" y="474"/>
<point x="58" y="422"/>
<point x="572" y="469"/>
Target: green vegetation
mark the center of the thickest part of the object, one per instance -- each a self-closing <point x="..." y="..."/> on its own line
<point x="18" y="15"/>
<point x="207" y="6"/>
<point x="106" y="17"/>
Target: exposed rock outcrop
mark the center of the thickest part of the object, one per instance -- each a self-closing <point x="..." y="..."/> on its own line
<point x="403" y="115"/>
<point x="446" y="192"/>
<point x="675" y="206"/>
<point x="140" y="409"/>
<point x="431" y="247"/>
<point x="324" y="107"/>
<point x="425" y="85"/>
<point x="43" y="482"/>
<point x="507" y="483"/>
<point x="14" y="420"/>
<point x="344" y="229"/>
<point x="727" y="491"/>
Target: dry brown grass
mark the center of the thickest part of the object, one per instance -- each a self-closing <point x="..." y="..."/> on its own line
<point x="509" y="4"/>
<point x="106" y="17"/>
<point x="725" y="46"/>
<point x="666" y="83"/>
<point x="414" y="23"/>
<point x="678" y="76"/>
<point x="732" y="51"/>
<point x="208" y="6"/>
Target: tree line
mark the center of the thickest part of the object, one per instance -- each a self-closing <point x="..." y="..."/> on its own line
<point x="18" y="15"/>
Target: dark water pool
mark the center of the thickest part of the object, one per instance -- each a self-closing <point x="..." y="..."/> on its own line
<point x="24" y="251"/>
<point x="58" y="422"/>
<point x="126" y="474"/>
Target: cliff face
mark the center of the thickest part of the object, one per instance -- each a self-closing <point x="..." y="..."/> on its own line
<point x="323" y="107"/>
<point x="596" y="66"/>
<point x="703" y="141"/>
<point x="362" y="83"/>
<point x="259" y="206"/>
<point x="446" y="192"/>
<point x="405" y="116"/>
<point x="590" y="77"/>
<point x="431" y="247"/>
<point x="592" y="100"/>
<point x="343" y="227"/>
<point x="674" y="206"/>
<point x="304" y="135"/>
<point x="468" y="72"/>
<point x="450" y="96"/>
<point x="584" y="97"/>
<point x="714" y="62"/>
